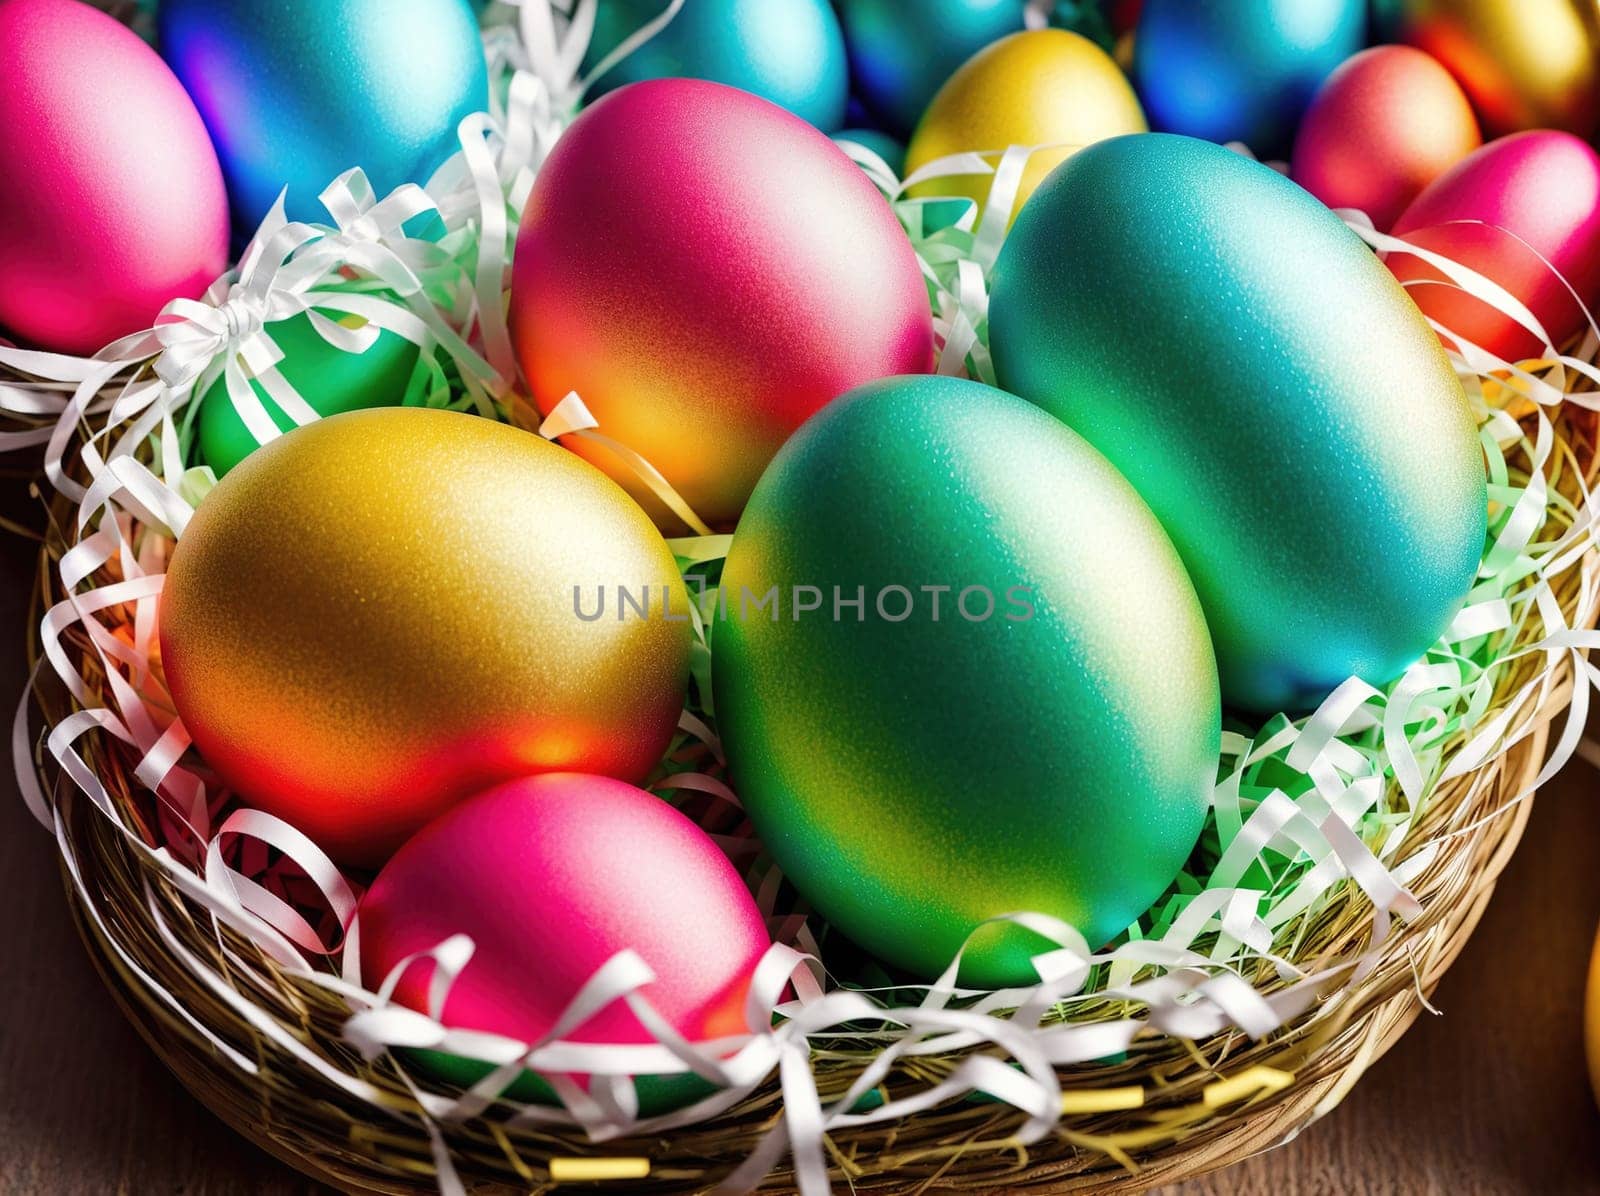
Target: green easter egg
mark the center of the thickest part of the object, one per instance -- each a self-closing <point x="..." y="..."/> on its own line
<point x="1021" y="714"/>
<point x="658" y="1095"/>
<point x="327" y="378"/>
<point x="1268" y="388"/>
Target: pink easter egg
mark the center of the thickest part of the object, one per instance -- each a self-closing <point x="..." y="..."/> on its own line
<point x="1382" y="127"/>
<point x="552" y="876"/>
<point x="1536" y="195"/>
<point x="707" y="271"/>
<point x="113" y="202"/>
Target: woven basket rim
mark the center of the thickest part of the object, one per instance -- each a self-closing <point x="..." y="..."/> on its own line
<point x="1269" y="1122"/>
<point x="968" y="1148"/>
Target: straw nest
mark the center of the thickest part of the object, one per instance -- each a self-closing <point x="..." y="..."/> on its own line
<point x="1168" y="1109"/>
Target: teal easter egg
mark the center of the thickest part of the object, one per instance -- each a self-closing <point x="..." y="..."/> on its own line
<point x="327" y="378"/>
<point x="1232" y="71"/>
<point x="1279" y="402"/>
<point x="788" y="51"/>
<point x="959" y="672"/>
<point x="296" y="92"/>
<point x="886" y="147"/>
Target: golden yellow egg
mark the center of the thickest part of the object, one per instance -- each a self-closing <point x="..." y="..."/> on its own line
<point x="385" y="611"/>
<point x="1041" y="87"/>
<point x="1526" y="64"/>
<point x="1591" y="1020"/>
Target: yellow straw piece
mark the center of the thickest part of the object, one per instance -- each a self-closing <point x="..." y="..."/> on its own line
<point x="1102" y="1100"/>
<point x="1246" y="1083"/>
<point x="577" y="1171"/>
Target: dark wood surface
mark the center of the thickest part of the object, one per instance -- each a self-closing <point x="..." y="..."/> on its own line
<point x="1488" y="1098"/>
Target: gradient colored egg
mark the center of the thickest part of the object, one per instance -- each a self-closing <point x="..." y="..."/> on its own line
<point x="1591" y="1020"/>
<point x="1384" y="125"/>
<point x="327" y="378"/>
<point x="551" y="877"/>
<point x="1042" y="87"/>
<point x="1041" y="734"/>
<point x="113" y="202"/>
<point x="297" y="92"/>
<point x="788" y="51"/>
<point x="1227" y="71"/>
<point x="902" y="51"/>
<point x="1526" y="64"/>
<point x="382" y="612"/>
<point x="1255" y="372"/>
<point x="1535" y="195"/>
<point x="706" y="270"/>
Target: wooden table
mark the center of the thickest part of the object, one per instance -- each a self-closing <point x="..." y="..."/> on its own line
<point x="1488" y="1098"/>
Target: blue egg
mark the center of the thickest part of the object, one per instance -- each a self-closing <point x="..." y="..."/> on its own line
<point x="296" y="92"/>
<point x="788" y="51"/>
<point x="902" y="51"/>
<point x="857" y="115"/>
<point x="1227" y="70"/>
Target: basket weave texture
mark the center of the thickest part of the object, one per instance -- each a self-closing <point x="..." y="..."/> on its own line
<point x="1201" y="1105"/>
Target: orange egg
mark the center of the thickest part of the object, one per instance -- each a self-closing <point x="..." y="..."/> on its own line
<point x="1527" y="64"/>
<point x="384" y="611"/>
<point x="1591" y="1019"/>
<point x="1382" y="127"/>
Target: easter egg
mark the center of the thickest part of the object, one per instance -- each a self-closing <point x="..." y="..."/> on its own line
<point x="1044" y="87"/>
<point x="902" y="51"/>
<point x="329" y="379"/>
<point x="960" y="672"/>
<point x="706" y="270"/>
<point x="381" y="612"/>
<point x="1532" y="206"/>
<point x="500" y="868"/>
<point x="788" y="51"/>
<point x="113" y="202"/>
<point x="1255" y="372"/>
<point x="1385" y="124"/>
<point x="1226" y="71"/>
<point x="880" y="143"/>
<point x="1526" y="64"/>
<point x="297" y="92"/>
<point x="1591" y="1020"/>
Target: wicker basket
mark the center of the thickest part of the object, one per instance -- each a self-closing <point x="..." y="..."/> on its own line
<point x="1165" y="1111"/>
<point x="307" y="1124"/>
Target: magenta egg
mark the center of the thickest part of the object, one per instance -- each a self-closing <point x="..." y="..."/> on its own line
<point x="113" y="201"/>
<point x="550" y="877"/>
<point x="707" y="270"/>
<point x="1382" y="127"/>
<point x="1523" y="211"/>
